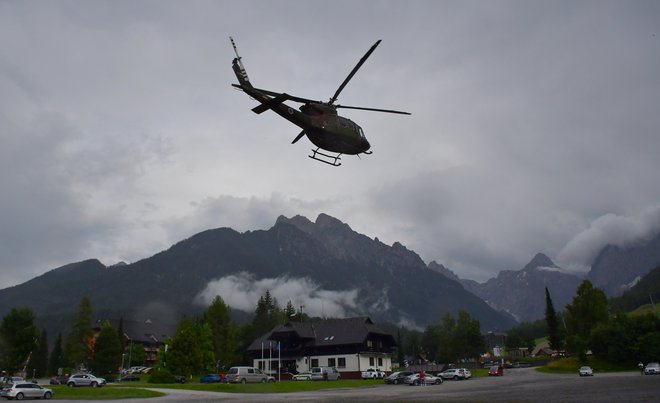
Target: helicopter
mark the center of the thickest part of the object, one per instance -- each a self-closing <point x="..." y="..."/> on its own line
<point x="333" y="135"/>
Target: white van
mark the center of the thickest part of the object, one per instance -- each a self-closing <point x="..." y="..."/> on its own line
<point x="325" y="374"/>
<point x="247" y="375"/>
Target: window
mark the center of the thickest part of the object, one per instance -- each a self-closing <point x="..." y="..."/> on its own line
<point x="371" y="361"/>
<point x="341" y="362"/>
<point x="331" y="362"/>
<point x="380" y="361"/>
<point x="315" y="362"/>
<point x="370" y="343"/>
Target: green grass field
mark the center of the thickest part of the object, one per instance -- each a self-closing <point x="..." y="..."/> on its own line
<point x="136" y="390"/>
<point x="570" y="365"/>
<point x="106" y="392"/>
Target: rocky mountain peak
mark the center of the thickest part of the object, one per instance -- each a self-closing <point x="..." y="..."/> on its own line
<point x="300" y="222"/>
<point x="435" y="266"/>
<point x="540" y="260"/>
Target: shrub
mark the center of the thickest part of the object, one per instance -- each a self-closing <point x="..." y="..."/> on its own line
<point x="161" y="375"/>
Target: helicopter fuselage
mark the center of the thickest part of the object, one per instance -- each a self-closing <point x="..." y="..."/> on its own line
<point x="323" y="126"/>
<point x="318" y="120"/>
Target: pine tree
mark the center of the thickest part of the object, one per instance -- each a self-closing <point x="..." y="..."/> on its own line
<point x="224" y="332"/>
<point x="56" y="360"/>
<point x="20" y="336"/>
<point x="554" y="335"/>
<point x="191" y="351"/>
<point x="40" y="357"/>
<point x="267" y="315"/>
<point x="468" y="332"/>
<point x="107" y="351"/>
<point x="120" y="334"/>
<point x="78" y="345"/>
<point x="586" y="311"/>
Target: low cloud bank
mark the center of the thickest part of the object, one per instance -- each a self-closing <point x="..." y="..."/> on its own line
<point x="241" y="291"/>
<point x="609" y="229"/>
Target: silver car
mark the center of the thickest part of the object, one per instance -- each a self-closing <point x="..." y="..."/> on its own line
<point x="652" y="368"/>
<point x="85" y="380"/>
<point x="19" y="391"/>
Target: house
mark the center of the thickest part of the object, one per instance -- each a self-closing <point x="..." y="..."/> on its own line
<point x="352" y="345"/>
<point x="543" y="350"/>
<point x="151" y="335"/>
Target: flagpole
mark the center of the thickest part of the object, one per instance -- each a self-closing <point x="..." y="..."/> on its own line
<point x="279" y="361"/>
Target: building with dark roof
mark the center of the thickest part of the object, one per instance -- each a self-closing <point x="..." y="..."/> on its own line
<point x="151" y="335"/>
<point x="351" y="345"/>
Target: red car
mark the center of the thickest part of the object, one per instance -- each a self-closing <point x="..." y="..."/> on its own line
<point x="496" y="370"/>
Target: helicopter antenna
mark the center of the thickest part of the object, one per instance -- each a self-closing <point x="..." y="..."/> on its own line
<point x="233" y="44"/>
<point x="355" y="69"/>
<point x="238" y="60"/>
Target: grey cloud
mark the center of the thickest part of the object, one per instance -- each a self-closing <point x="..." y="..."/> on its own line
<point x="534" y="125"/>
<point x="242" y="291"/>
<point x="610" y="229"/>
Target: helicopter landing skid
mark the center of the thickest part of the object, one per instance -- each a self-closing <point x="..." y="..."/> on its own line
<point x="325" y="158"/>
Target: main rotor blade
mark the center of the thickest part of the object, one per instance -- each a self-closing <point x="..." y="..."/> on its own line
<point x="355" y="69"/>
<point x="373" y="109"/>
<point x="298" y="137"/>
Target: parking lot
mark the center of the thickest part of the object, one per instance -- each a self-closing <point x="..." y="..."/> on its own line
<point x="517" y="385"/>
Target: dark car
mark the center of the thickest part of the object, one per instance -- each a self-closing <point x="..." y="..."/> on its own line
<point x="212" y="378"/>
<point x="129" y="378"/>
<point x="397" y="377"/>
<point x="496" y="370"/>
<point x="59" y="380"/>
<point x="180" y="379"/>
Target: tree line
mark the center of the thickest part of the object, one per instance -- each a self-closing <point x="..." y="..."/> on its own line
<point x="587" y="324"/>
<point x="202" y="344"/>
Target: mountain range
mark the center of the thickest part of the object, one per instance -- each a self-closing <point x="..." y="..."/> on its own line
<point x="521" y="293"/>
<point x="322" y="264"/>
<point x="324" y="267"/>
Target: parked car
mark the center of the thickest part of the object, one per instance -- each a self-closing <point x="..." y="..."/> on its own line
<point x="586" y="371"/>
<point x="85" y="380"/>
<point x="59" y="380"/>
<point x="21" y="390"/>
<point x="212" y="378"/>
<point x="129" y="378"/>
<point x="12" y="379"/>
<point x="180" y="379"/>
<point x="247" y="375"/>
<point x="496" y="370"/>
<point x="397" y="377"/>
<point x="415" y="380"/>
<point x="456" y="374"/>
<point x="325" y="374"/>
<point x="373" y="374"/>
<point x="302" y="376"/>
<point x="652" y="368"/>
<point x="136" y="370"/>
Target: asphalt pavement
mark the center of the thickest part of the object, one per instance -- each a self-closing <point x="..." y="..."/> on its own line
<point x="517" y="385"/>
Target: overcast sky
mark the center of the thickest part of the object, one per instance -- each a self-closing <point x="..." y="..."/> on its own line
<point x="535" y="126"/>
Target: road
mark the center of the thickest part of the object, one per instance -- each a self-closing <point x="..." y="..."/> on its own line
<point x="517" y="385"/>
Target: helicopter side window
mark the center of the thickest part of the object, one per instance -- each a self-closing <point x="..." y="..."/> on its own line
<point x="360" y="132"/>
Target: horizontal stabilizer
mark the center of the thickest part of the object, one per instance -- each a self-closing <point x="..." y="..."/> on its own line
<point x="270" y="104"/>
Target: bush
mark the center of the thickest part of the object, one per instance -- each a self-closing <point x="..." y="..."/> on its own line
<point x="161" y="375"/>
